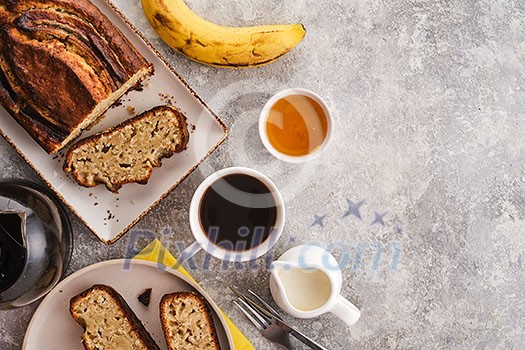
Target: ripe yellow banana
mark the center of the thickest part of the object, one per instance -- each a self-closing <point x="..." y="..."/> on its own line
<point x="218" y="45"/>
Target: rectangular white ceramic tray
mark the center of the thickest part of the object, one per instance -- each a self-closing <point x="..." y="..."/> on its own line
<point x="107" y="214"/>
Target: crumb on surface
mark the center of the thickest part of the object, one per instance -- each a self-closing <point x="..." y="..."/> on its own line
<point x="139" y="86"/>
<point x="167" y="98"/>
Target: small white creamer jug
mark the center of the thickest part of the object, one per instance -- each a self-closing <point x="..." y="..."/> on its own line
<point x="306" y="282"/>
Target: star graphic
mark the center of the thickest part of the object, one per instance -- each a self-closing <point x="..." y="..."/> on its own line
<point x="378" y="218"/>
<point x="292" y="239"/>
<point x="318" y="220"/>
<point x="353" y="208"/>
<point x="399" y="231"/>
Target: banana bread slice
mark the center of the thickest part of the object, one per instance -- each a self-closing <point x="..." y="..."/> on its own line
<point x="62" y="64"/>
<point x="187" y="322"/>
<point x="108" y="321"/>
<point x="128" y="152"/>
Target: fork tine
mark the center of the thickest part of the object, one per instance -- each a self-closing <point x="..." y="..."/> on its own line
<point x="265" y="304"/>
<point x="250" y="317"/>
<point x="236" y="292"/>
<point x="263" y="319"/>
<point x="265" y="310"/>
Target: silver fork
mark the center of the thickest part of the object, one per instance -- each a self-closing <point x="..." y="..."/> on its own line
<point x="267" y="326"/>
<point x="263" y="309"/>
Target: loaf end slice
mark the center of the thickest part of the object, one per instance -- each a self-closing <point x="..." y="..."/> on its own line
<point x="128" y="152"/>
<point x="187" y="322"/>
<point x="62" y="64"/>
<point x="108" y="321"/>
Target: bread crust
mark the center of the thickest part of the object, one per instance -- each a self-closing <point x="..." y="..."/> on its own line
<point x="84" y="9"/>
<point x="121" y="305"/>
<point x="204" y="310"/>
<point x="59" y="60"/>
<point x="115" y="185"/>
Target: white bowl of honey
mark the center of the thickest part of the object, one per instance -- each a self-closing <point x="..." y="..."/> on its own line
<point x="296" y="125"/>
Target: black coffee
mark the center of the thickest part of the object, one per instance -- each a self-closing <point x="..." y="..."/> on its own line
<point x="238" y="212"/>
<point x="12" y="249"/>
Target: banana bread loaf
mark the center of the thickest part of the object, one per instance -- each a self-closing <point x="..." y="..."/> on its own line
<point x="108" y="321"/>
<point x="128" y="152"/>
<point x="62" y="64"/>
<point x="187" y="323"/>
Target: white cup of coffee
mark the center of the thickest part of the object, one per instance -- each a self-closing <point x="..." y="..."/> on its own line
<point x="236" y="214"/>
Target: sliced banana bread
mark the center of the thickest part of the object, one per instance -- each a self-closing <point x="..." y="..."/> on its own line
<point x="62" y="64"/>
<point x="108" y="321"/>
<point x="128" y="152"/>
<point x="187" y="322"/>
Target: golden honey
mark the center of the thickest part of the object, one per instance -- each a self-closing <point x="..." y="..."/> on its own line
<point x="296" y="125"/>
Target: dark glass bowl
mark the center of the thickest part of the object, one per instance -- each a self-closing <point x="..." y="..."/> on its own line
<point x="35" y="242"/>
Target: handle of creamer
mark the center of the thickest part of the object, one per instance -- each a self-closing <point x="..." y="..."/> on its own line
<point x="346" y="311"/>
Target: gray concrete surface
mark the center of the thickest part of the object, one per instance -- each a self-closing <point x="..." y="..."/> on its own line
<point x="430" y="104"/>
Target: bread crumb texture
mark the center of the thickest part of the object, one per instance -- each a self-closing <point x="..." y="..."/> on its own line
<point x="128" y="152"/>
<point x="107" y="322"/>
<point x="187" y="322"/>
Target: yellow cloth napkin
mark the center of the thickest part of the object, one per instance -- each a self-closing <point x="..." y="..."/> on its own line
<point x="156" y="252"/>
